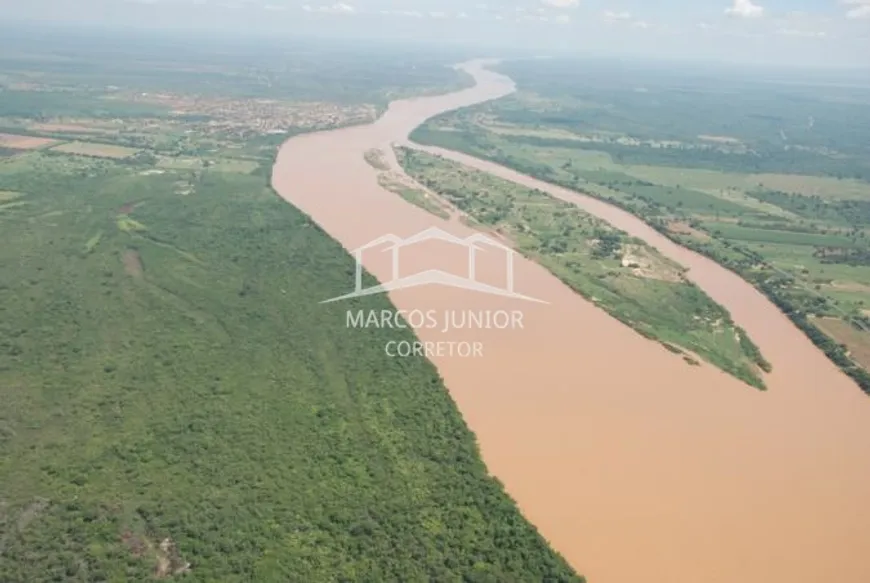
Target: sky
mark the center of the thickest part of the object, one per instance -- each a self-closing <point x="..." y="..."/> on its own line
<point x="793" y="32"/>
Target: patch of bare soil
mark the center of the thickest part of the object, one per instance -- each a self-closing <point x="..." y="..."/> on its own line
<point x="849" y="286"/>
<point x="16" y="142"/>
<point x="30" y="513"/>
<point x="168" y="561"/>
<point x="397" y="182"/>
<point x="133" y="263"/>
<point x="643" y="264"/>
<point x="70" y="128"/>
<point x="857" y="341"/>
<point x="137" y="544"/>
<point x="377" y="159"/>
<point x="95" y="150"/>
<point x="27" y="516"/>
<point x="128" y="208"/>
<point x="681" y="228"/>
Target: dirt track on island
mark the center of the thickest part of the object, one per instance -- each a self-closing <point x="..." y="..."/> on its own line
<point x="635" y="466"/>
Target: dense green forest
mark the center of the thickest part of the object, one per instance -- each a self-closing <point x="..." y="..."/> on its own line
<point x="166" y="372"/>
<point x="176" y="403"/>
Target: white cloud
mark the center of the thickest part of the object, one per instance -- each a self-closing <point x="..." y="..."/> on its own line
<point x="801" y="33"/>
<point x="802" y="24"/>
<point x="561" y="3"/>
<point x="610" y="15"/>
<point x="339" y="8"/>
<point x="745" y="9"/>
<point x="626" y="18"/>
<point x="800" y="19"/>
<point x="857" y="8"/>
<point x="563" y="19"/>
<point x="408" y="13"/>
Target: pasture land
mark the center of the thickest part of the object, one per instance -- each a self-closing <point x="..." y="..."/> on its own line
<point x="856" y="340"/>
<point x="6" y="195"/>
<point x="95" y="150"/>
<point x="75" y="128"/>
<point x="219" y="164"/>
<point x="17" y="142"/>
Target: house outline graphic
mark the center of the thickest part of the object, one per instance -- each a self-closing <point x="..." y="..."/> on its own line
<point x="473" y="243"/>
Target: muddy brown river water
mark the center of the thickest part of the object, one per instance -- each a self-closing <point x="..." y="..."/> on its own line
<point x="635" y="466"/>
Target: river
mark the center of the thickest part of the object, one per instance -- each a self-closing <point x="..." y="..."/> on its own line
<point x="635" y="466"/>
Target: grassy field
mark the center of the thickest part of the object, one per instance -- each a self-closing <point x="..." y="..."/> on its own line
<point x="624" y="276"/>
<point x="802" y="239"/>
<point x="96" y="150"/>
<point x="844" y="331"/>
<point x="177" y="403"/>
